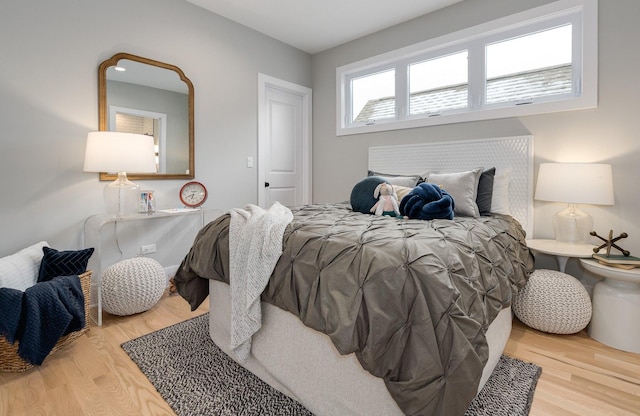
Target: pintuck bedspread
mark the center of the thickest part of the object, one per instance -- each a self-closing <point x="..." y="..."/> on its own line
<point x="411" y="298"/>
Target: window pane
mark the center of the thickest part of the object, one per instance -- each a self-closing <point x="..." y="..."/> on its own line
<point x="439" y="84"/>
<point x="530" y="66"/>
<point x="373" y="96"/>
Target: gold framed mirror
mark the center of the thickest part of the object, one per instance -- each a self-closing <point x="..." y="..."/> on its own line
<point x="140" y="95"/>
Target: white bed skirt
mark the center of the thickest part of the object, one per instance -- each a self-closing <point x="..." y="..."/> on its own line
<point x="304" y="364"/>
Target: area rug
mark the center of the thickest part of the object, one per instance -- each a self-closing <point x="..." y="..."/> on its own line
<point x="195" y="377"/>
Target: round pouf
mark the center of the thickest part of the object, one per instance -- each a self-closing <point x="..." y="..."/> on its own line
<point x="553" y="302"/>
<point x="132" y="286"/>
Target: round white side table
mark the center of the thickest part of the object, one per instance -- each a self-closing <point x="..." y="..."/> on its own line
<point x="616" y="306"/>
<point x="562" y="251"/>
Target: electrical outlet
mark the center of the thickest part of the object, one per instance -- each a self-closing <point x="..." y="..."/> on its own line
<point x="148" y="249"/>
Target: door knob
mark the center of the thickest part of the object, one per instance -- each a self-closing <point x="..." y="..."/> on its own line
<point x="266" y="184"/>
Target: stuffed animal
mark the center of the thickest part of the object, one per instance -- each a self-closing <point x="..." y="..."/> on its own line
<point x="387" y="201"/>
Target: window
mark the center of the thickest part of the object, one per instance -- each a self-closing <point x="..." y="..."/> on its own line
<point x="378" y="91"/>
<point x="529" y="66"/>
<point x="538" y="61"/>
<point x="439" y="84"/>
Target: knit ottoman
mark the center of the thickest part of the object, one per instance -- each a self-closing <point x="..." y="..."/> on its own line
<point x="553" y="302"/>
<point x="132" y="286"/>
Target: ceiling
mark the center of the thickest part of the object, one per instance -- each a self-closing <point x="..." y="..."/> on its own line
<point x="314" y="26"/>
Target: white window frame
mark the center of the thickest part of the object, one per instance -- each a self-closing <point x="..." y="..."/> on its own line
<point x="582" y="14"/>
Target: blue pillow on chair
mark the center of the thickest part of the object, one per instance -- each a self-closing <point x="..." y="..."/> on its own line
<point x="63" y="263"/>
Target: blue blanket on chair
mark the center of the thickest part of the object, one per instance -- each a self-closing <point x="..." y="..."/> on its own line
<point x="41" y="315"/>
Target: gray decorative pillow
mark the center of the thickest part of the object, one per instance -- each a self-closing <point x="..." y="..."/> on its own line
<point x="401" y="180"/>
<point x="463" y="188"/>
<point x="485" y="191"/>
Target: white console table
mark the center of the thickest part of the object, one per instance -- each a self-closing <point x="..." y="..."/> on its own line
<point x="94" y="230"/>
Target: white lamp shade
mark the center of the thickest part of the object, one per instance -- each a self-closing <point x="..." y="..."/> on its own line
<point x="109" y="151"/>
<point x="575" y="183"/>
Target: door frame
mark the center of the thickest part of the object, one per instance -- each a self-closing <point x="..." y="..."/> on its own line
<point x="264" y="82"/>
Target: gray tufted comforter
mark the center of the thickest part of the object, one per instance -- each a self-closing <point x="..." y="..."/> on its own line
<point x="411" y="298"/>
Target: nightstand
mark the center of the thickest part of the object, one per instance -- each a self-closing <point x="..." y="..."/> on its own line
<point x="616" y="306"/>
<point x="562" y="251"/>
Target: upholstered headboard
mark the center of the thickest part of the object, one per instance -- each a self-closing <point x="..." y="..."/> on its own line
<point x="514" y="153"/>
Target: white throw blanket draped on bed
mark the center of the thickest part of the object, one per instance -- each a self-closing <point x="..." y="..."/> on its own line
<point x="255" y="244"/>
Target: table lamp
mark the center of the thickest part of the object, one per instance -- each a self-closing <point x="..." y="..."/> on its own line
<point x="574" y="183"/>
<point x="116" y="152"/>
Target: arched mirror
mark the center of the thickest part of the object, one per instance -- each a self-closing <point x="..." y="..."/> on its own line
<point x="140" y="95"/>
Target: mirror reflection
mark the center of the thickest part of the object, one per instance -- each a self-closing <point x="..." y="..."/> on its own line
<point x="139" y="95"/>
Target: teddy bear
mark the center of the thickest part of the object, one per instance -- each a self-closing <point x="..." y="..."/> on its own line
<point x="387" y="201"/>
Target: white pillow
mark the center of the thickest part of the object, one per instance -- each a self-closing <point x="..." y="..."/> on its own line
<point x="463" y="188"/>
<point x="500" y="198"/>
<point x="401" y="191"/>
<point x="20" y="270"/>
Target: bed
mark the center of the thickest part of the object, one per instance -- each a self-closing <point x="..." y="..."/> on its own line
<point x="367" y="315"/>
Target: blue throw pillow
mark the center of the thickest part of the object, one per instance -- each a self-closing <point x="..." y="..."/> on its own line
<point x="63" y="263"/>
<point x="427" y="202"/>
<point x="362" y="198"/>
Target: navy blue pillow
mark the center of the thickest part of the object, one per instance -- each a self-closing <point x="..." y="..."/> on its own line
<point x="485" y="191"/>
<point x="427" y="201"/>
<point x="362" y="194"/>
<point x="63" y="263"/>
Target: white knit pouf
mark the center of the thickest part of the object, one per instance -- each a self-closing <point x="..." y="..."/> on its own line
<point x="132" y="286"/>
<point x="553" y="302"/>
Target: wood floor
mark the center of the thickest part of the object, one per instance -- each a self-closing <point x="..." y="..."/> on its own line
<point x="94" y="376"/>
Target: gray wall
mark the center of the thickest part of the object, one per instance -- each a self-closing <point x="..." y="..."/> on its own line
<point x="49" y="101"/>
<point x="607" y="134"/>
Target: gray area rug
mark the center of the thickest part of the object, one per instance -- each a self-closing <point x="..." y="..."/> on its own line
<point x="196" y="378"/>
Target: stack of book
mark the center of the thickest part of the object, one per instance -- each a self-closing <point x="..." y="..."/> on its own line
<point x="618" y="260"/>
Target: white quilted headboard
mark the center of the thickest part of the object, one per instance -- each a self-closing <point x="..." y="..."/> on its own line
<point x="515" y="153"/>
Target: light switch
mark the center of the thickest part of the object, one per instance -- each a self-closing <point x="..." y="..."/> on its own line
<point x="249" y="162"/>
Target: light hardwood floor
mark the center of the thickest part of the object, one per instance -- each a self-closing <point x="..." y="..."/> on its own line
<point x="94" y="376"/>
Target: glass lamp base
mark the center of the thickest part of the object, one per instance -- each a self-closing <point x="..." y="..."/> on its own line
<point x="121" y="196"/>
<point x="572" y="225"/>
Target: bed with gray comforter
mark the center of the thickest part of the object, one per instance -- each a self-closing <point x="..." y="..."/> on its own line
<point x="411" y="298"/>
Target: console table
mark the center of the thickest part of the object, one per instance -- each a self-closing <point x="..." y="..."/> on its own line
<point x="124" y="240"/>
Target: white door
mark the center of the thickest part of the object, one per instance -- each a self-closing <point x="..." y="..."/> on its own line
<point x="284" y="143"/>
